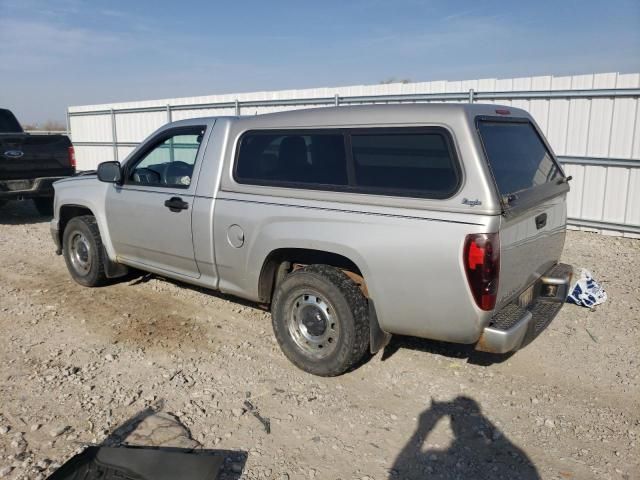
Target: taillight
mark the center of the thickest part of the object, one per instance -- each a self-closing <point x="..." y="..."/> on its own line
<point x="72" y="157"/>
<point x="482" y="264"/>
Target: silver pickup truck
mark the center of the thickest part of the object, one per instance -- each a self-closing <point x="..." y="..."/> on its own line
<point x="441" y="221"/>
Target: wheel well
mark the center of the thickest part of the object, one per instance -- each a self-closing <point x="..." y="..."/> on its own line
<point x="282" y="261"/>
<point x="67" y="212"/>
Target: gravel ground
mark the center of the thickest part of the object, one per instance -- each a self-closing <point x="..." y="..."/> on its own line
<point x="77" y="363"/>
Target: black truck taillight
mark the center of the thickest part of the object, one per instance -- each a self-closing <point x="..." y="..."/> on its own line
<point x="72" y="157"/>
<point x="482" y="264"/>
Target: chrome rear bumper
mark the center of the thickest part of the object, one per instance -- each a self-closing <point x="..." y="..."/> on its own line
<point x="29" y="188"/>
<point x="516" y="325"/>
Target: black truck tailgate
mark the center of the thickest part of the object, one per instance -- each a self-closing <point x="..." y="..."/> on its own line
<point x="25" y="156"/>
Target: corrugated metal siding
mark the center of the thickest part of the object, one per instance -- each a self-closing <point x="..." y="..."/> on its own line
<point x="597" y="128"/>
<point x="93" y="128"/>
<point x="135" y="127"/>
<point x="87" y="157"/>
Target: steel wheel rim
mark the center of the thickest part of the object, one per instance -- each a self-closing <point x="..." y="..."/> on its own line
<point x="80" y="253"/>
<point x="313" y="325"/>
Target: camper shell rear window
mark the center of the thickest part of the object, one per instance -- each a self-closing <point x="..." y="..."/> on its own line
<point x="518" y="157"/>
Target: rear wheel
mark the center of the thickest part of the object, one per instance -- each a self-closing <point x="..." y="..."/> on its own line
<point x="82" y="250"/>
<point x="320" y="319"/>
<point x="44" y="205"/>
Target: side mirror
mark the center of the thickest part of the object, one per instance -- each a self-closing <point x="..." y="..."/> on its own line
<point x="110" y="172"/>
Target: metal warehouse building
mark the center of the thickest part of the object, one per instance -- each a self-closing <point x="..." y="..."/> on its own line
<point x="592" y="122"/>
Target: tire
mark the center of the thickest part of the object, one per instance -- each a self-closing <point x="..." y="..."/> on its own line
<point x="44" y="205"/>
<point x="82" y="250"/>
<point x="321" y="320"/>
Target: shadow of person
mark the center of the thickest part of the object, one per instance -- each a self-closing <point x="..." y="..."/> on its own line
<point x="479" y="450"/>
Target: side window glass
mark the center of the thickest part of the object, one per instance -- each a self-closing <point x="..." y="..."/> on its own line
<point x="315" y="158"/>
<point x="418" y="162"/>
<point x="406" y="161"/>
<point x="169" y="163"/>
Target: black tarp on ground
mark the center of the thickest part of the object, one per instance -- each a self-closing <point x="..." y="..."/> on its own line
<point x="135" y="463"/>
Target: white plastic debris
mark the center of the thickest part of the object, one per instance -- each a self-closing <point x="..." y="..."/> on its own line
<point x="585" y="291"/>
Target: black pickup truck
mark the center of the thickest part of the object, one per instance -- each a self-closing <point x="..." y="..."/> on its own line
<point x="29" y="164"/>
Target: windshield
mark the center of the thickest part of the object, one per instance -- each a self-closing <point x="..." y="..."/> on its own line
<point x="8" y="123"/>
<point x="517" y="156"/>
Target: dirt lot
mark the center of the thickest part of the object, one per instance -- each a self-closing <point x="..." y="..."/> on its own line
<point x="75" y="363"/>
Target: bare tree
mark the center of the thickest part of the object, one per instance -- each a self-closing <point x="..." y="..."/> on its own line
<point x="48" y="126"/>
<point x="395" y="80"/>
<point x="53" y="125"/>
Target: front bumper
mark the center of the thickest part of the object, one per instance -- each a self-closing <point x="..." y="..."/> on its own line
<point x="29" y="188"/>
<point x="518" y="323"/>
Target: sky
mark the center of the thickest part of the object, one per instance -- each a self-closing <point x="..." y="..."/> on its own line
<point x="58" y="53"/>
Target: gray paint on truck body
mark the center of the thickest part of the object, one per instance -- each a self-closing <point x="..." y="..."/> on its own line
<point x="409" y="250"/>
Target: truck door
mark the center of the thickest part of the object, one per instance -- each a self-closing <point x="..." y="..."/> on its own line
<point x="149" y="216"/>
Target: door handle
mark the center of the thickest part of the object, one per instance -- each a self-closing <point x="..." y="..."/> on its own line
<point x="541" y="220"/>
<point x="175" y="204"/>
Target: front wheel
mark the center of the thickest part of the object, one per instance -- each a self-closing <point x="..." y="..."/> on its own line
<point x="82" y="250"/>
<point x="320" y="319"/>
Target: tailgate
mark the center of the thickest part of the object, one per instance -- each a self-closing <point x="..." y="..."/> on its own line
<point x="530" y="244"/>
<point x="24" y="156"/>
<point x="532" y="188"/>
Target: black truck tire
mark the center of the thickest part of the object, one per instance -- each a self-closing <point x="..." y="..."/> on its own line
<point x="44" y="205"/>
<point x="321" y="320"/>
<point x="82" y="250"/>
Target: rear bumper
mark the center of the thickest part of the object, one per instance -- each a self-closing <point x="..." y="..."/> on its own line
<point x="518" y="323"/>
<point x="29" y="188"/>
